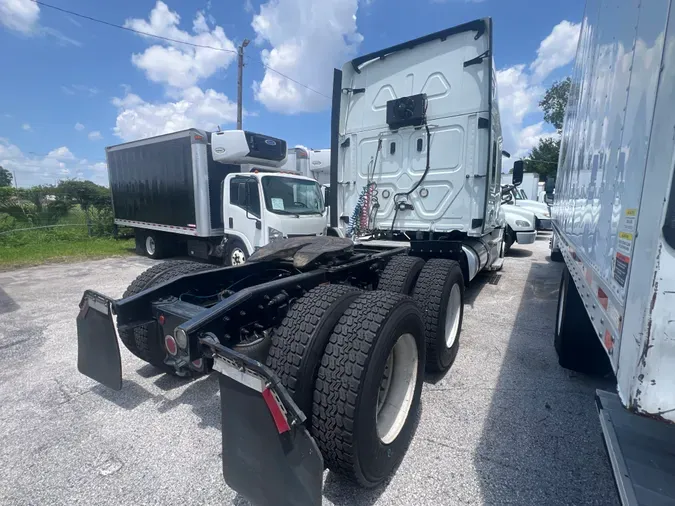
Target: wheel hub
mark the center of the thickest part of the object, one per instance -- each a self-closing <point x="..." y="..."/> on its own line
<point x="150" y="245"/>
<point x="452" y="316"/>
<point x="397" y="389"/>
<point x="238" y="257"/>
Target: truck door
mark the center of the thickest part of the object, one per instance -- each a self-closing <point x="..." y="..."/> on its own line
<point x="242" y="211"/>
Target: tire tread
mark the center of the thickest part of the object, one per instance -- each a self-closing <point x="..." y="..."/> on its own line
<point x="400" y="274"/>
<point x="339" y="380"/>
<point x="428" y="294"/>
<point x="138" y="341"/>
<point x="291" y="340"/>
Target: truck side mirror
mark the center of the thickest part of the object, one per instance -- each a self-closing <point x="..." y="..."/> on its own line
<point x="242" y="194"/>
<point x="550" y="185"/>
<point x="518" y="169"/>
<point x="506" y="154"/>
<point x="326" y="195"/>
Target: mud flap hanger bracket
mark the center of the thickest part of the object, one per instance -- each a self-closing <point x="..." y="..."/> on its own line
<point x="256" y="376"/>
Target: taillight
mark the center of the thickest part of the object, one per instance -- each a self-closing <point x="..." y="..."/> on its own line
<point x="171" y="346"/>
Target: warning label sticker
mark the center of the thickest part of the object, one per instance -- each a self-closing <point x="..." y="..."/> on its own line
<point x="624" y="245"/>
<point x="621" y="264"/>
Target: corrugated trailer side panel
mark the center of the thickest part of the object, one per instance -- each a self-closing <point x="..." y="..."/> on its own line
<point x="646" y="373"/>
<point x="608" y="200"/>
<point x="152" y="182"/>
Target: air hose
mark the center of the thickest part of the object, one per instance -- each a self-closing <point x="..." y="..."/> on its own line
<point x="360" y="220"/>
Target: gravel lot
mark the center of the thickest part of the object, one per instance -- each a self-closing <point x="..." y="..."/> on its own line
<point x="506" y="425"/>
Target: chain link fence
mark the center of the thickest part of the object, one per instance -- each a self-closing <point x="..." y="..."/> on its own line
<point x="70" y="210"/>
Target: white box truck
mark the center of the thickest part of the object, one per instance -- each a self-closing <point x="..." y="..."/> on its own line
<point x="215" y="195"/>
<point x="614" y="227"/>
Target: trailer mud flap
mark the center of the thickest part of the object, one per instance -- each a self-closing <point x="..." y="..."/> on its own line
<point x="98" y="353"/>
<point x="269" y="456"/>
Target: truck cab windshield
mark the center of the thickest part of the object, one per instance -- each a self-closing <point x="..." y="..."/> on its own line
<point x="289" y="195"/>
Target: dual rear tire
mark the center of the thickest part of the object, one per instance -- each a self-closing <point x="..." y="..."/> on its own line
<point x="575" y="339"/>
<point x="354" y="361"/>
<point x="145" y="341"/>
<point x="438" y="287"/>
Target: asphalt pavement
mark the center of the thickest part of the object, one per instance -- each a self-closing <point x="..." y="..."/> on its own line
<point x="506" y="425"/>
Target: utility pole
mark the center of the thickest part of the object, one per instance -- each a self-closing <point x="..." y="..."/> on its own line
<point x="240" y="80"/>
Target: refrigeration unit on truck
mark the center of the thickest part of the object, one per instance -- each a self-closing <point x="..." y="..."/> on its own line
<point x="614" y="227"/>
<point x="214" y="195"/>
<point x="321" y="344"/>
<point x="314" y="163"/>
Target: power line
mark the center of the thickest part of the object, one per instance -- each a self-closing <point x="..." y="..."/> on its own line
<point x="168" y="39"/>
<point x="121" y="27"/>
<point x="530" y="160"/>
<point x="290" y="78"/>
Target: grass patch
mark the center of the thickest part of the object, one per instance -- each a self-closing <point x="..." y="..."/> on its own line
<point x="57" y="245"/>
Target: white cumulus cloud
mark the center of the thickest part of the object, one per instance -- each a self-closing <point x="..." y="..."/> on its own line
<point x="180" y="69"/>
<point x="521" y="89"/>
<point x="307" y="40"/>
<point x="19" y="15"/>
<point x="194" y="108"/>
<point x="22" y="16"/>
<point x="556" y="50"/>
<point x="179" y="65"/>
<point x="79" y="127"/>
<point x="58" y="164"/>
<point x="26" y="127"/>
<point x="95" y="135"/>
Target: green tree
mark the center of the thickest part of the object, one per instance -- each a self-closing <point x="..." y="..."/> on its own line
<point x="5" y="177"/>
<point x="554" y="102"/>
<point x="85" y="193"/>
<point x="543" y="159"/>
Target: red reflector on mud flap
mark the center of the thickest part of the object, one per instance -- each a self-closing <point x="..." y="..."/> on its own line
<point x="275" y="410"/>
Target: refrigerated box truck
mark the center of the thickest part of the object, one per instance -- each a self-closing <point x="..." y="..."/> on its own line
<point x="614" y="227"/>
<point x="213" y="195"/>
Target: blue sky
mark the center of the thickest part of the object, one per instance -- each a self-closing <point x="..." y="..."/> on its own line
<point x="72" y="87"/>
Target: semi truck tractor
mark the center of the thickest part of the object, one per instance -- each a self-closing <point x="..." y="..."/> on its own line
<point x="321" y="344"/>
<point x="614" y="228"/>
<point x="213" y="195"/>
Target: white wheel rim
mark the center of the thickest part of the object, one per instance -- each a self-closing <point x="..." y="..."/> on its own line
<point x="150" y="245"/>
<point x="397" y="389"/>
<point x="561" y="305"/>
<point x="238" y="257"/>
<point x="452" y="316"/>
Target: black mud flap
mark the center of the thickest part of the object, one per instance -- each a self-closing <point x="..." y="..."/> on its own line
<point x="269" y="456"/>
<point x="98" y="353"/>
